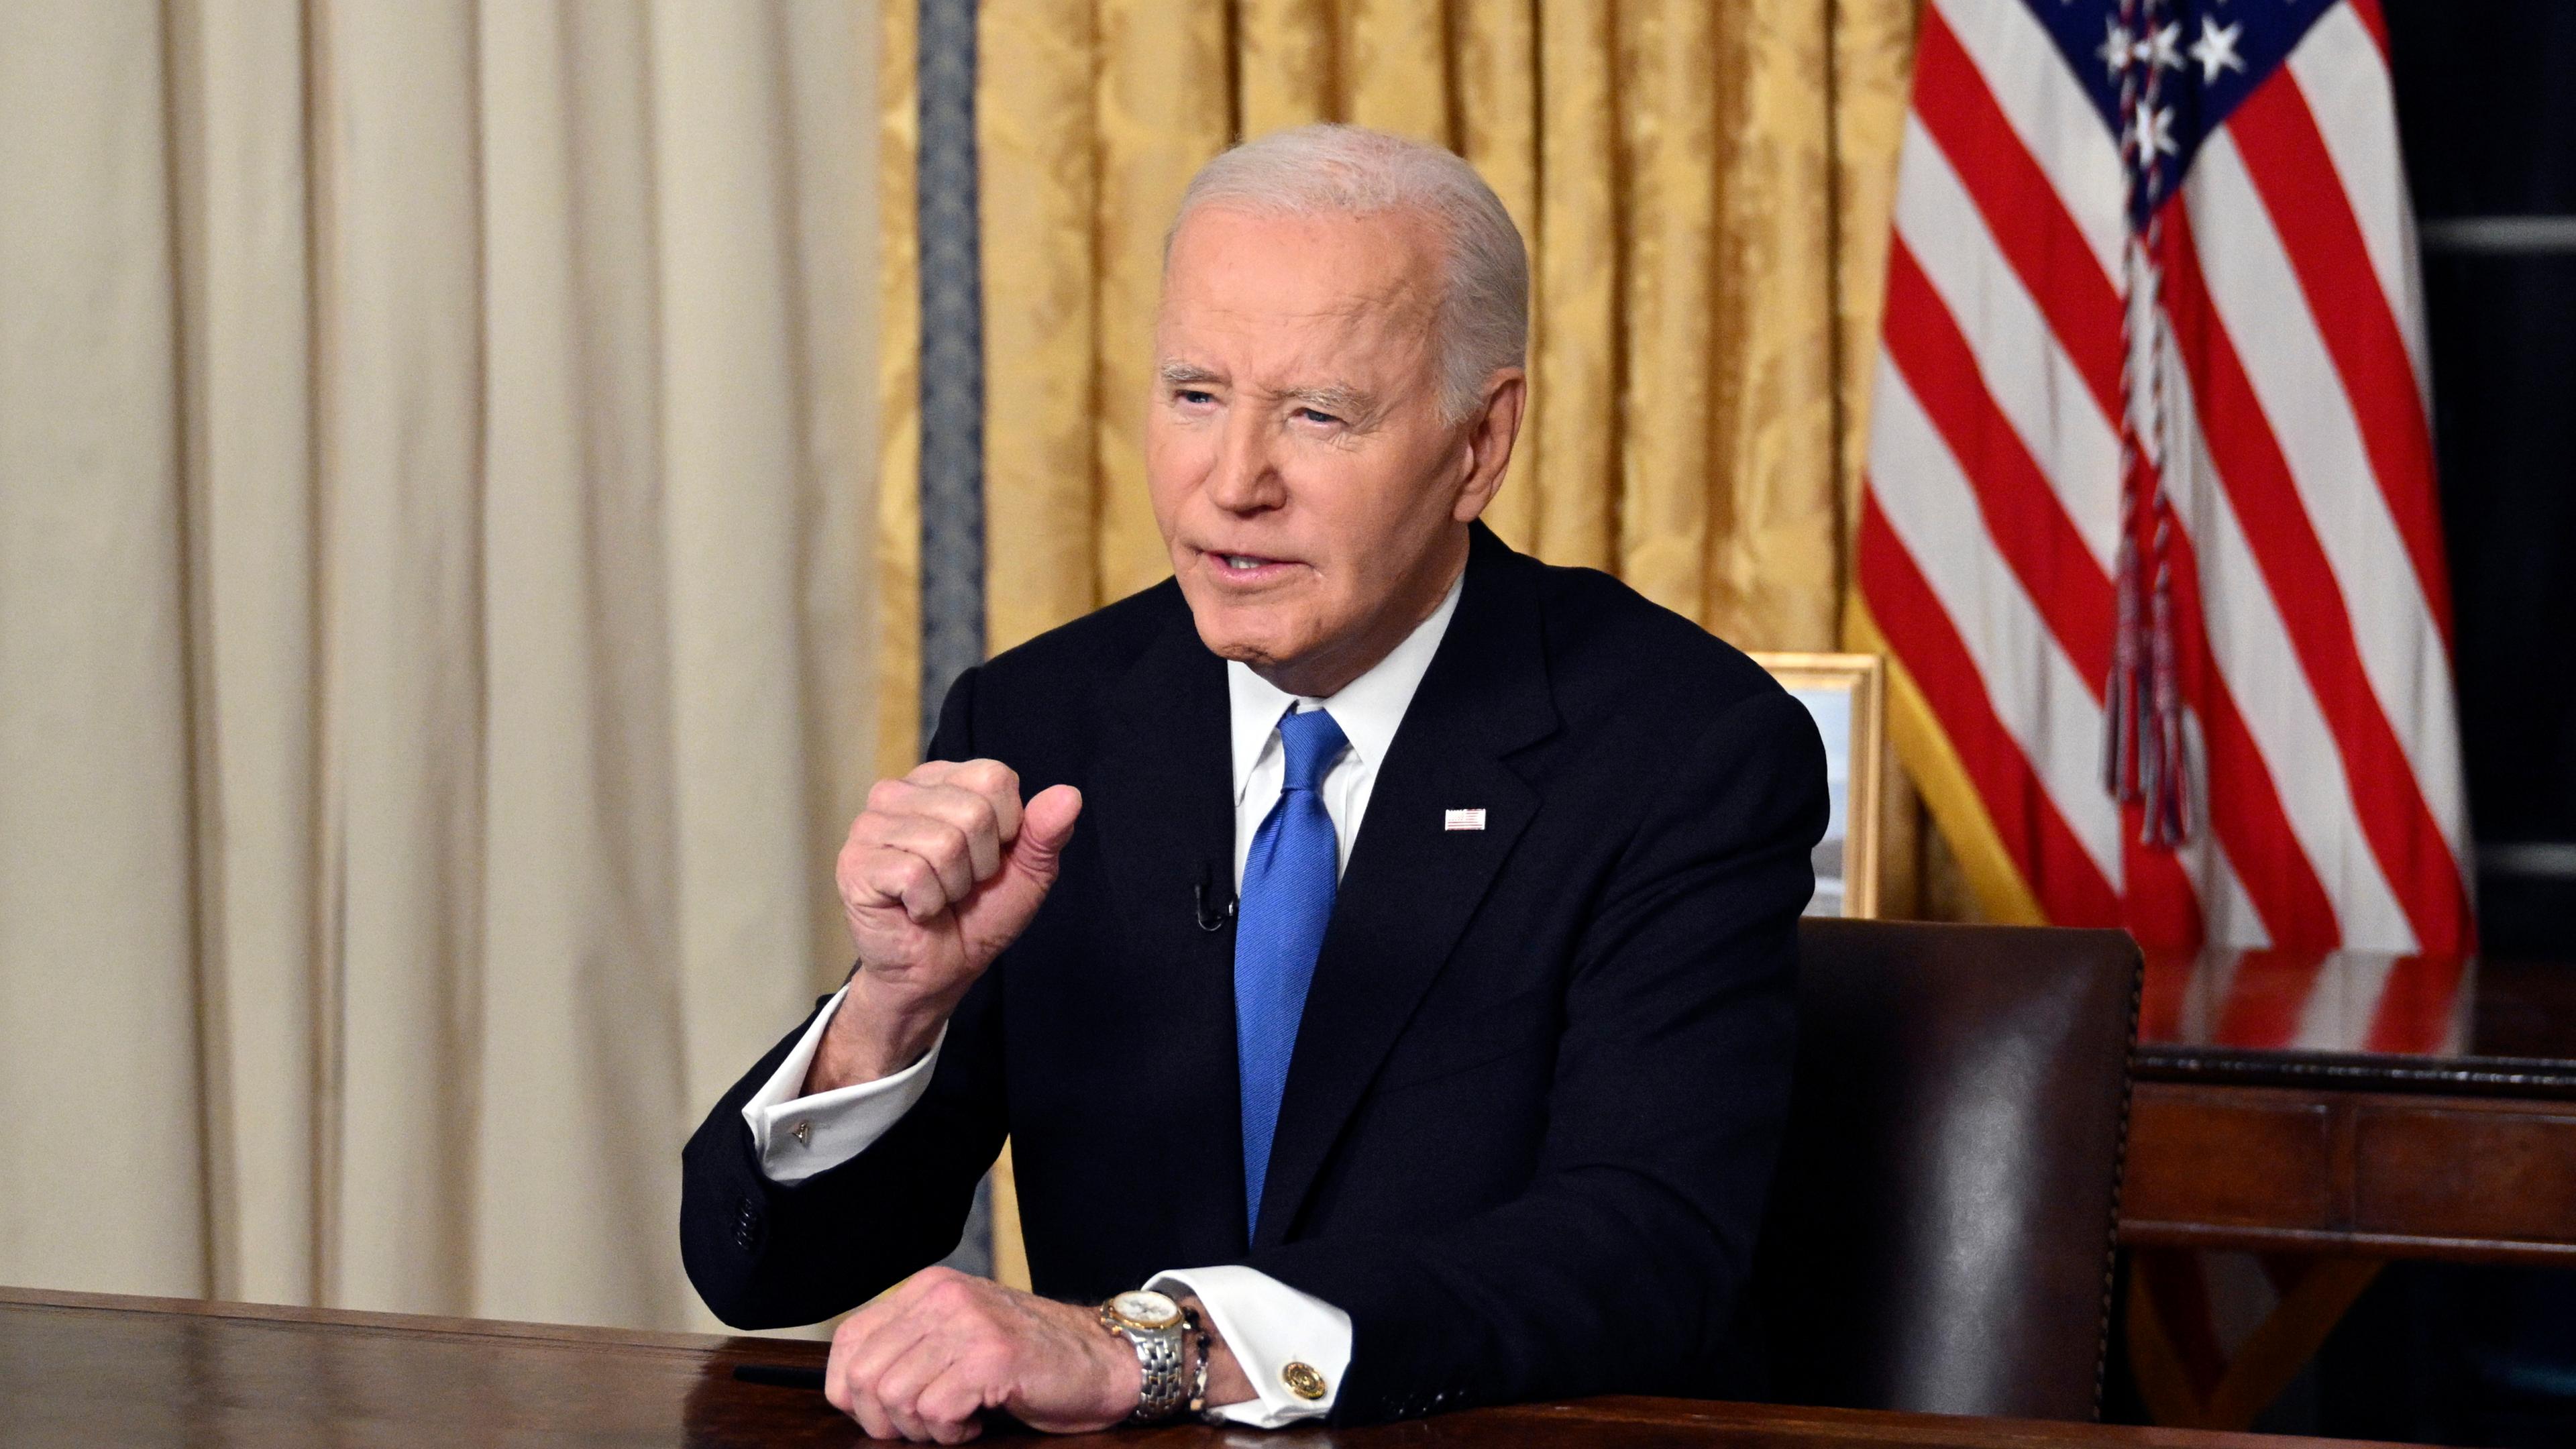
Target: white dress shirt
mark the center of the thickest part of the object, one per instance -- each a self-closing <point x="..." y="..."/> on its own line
<point x="1266" y="1323"/>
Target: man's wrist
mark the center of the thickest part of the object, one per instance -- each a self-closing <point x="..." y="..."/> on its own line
<point x="1226" y="1381"/>
<point x="1125" y="1377"/>
<point x="873" y="1037"/>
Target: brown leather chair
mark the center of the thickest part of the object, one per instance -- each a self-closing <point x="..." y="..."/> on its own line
<point x="1940" y="1236"/>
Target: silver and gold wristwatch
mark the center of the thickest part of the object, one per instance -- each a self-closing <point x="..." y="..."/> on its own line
<point x="1160" y="1331"/>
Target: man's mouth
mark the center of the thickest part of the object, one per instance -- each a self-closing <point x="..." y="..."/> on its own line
<point x="1247" y="568"/>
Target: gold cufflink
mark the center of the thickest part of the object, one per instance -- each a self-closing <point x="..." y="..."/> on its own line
<point x="1302" y="1380"/>
<point x="804" y="1133"/>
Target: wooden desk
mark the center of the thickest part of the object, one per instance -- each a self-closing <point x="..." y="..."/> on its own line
<point x="2357" y="1105"/>
<point x="2337" y="1110"/>
<point x="87" y="1369"/>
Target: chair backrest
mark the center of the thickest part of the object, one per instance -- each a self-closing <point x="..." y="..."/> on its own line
<point x="1940" y="1236"/>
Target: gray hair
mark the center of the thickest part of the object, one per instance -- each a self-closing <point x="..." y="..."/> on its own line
<point x="1481" y="324"/>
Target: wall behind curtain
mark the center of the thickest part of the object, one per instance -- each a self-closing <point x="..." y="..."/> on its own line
<point x="1705" y="191"/>
<point x="436" y="464"/>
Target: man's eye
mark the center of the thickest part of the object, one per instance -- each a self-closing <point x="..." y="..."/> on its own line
<point x="1194" y="396"/>
<point x="1313" y="416"/>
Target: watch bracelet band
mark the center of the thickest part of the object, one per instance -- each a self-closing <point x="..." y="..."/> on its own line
<point x="1164" y="1387"/>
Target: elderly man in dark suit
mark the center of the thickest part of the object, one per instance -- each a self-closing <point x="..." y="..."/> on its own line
<point x="1377" y="945"/>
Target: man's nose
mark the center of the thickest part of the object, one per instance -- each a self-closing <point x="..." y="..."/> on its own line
<point x="1246" y="477"/>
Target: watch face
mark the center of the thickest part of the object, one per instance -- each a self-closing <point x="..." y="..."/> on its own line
<point x="1146" y="1308"/>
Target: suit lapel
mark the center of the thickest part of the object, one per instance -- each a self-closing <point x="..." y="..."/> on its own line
<point x="1163" y="807"/>
<point x="1412" y="885"/>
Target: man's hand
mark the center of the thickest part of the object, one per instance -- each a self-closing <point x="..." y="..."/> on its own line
<point x="941" y="872"/>
<point x="939" y="1348"/>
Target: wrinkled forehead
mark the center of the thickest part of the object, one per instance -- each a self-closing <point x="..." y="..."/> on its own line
<point x="1383" y="264"/>
<point x="1303" y="287"/>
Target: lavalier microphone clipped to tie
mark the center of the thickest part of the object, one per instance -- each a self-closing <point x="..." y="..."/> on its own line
<point x="1212" y="916"/>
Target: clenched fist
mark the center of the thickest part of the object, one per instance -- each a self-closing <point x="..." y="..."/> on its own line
<point x="943" y="870"/>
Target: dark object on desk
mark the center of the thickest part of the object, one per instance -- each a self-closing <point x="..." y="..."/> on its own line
<point x="1940" y="1235"/>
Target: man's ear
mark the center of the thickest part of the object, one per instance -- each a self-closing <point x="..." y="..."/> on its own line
<point x="1496" y="427"/>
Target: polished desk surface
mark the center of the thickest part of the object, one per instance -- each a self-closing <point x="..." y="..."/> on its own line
<point x="2361" y="1021"/>
<point x="2355" y="1104"/>
<point x="91" y="1369"/>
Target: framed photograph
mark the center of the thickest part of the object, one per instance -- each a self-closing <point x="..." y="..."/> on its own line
<point x="1847" y="695"/>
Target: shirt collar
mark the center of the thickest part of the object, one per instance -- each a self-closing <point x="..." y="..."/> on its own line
<point x="1369" y="709"/>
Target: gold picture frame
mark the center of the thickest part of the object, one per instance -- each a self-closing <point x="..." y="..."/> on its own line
<point x="1847" y="694"/>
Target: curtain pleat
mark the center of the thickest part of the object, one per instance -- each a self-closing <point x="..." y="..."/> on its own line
<point x="238" y="95"/>
<point x="1773" y="557"/>
<point x="1039" y="294"/>
<point x="1668" y="104"/>
<point x="1576" y="331"/>
<point x="897" y="596"/>
<point x="101" y="1151"/>
<point x="400" y="422"/>
<point x="1286" y="62"/>
<point x="1393" y="72"/>
<point x="578" y="711"/>
<point x="437" y="611"/>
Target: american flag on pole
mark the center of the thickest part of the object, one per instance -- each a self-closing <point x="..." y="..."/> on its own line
<point x="2149" y="532"/>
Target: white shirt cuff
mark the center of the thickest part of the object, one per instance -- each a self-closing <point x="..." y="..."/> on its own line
<point x="1269" y="1325"/>
<point x="798" y="1137"/>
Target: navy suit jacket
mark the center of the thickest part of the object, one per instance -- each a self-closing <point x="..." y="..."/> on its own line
<point x="1538" y="1089"/>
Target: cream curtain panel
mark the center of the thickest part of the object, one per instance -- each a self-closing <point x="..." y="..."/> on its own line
<point x="436" y="458"/>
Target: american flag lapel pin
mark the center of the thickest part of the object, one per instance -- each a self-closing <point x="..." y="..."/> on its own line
<point x="1462" y="820"/>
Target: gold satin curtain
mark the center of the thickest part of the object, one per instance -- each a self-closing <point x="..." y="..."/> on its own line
<point x="1704" y="187"/>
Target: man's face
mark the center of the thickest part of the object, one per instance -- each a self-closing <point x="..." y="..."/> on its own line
<point x="1312" y="499"/>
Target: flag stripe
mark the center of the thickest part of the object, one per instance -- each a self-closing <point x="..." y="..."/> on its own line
<point x="2228" y="911"/>
<point x="2050" y="118"/>
<point x="2034" y="536"/>
<point x="2252" y="290"/>
<point x="2377" y="775"/>
<point x="2010" y="338"/>
<point x="2057" y="575"/>
<point x="2052" y="405"/>
<point x="2248" y="815"/>
<point x="2035" y="691"/>
<point x="2060" y="873"/>
<point x="2273" y="356"/>
<point x="2161" y="906"/>
<point x="2024" y="214"/>
<point x="2287" y="162"/>
<point x="2354" y="105"/>
<point x="2249" y="643"/>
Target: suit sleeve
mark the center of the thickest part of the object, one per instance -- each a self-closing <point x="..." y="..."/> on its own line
<point x="1620" y="1267"/>
<point x="766" y="1254"/>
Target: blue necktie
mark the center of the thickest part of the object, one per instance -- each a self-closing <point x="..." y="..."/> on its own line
<point x="1287" y="898"/>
